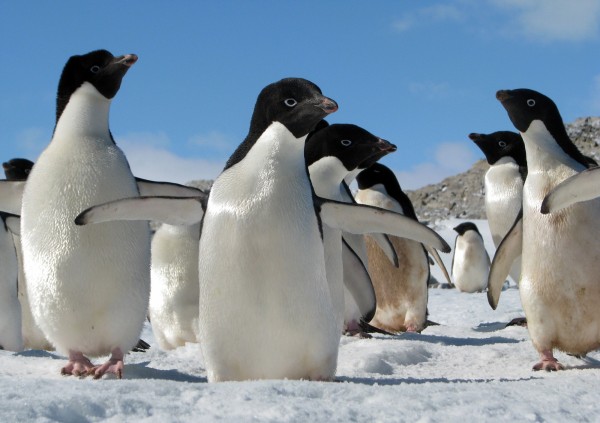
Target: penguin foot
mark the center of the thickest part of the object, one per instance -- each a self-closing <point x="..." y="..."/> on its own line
<point x="548" y="363"/>
<point x="78" y="365"/>
<point x="114" y="365"/>
<point x="353" y="329"/>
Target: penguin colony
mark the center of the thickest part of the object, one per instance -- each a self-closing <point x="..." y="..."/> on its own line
<point x="268" y="269"/>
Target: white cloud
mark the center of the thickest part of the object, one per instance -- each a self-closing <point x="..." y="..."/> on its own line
<point x="449" y="159"/>
<point x="553" y="20"/>
<point x="214" y="141"/>
<point x="433" y="14"/>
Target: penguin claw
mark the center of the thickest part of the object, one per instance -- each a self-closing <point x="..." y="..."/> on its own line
<point x="548" y="362"/>
<point x="114" y="365"/>
<point x="78" y="365"/>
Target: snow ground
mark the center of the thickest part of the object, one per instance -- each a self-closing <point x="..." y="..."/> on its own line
<point x="469" y="368"/>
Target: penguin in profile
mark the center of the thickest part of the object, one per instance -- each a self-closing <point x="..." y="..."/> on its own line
<point x="266" y="310"/>
<point x="88" y="287"/>
<point x="559" y="285"/>
<point x="505" y="153"/>
<point x="471" y="262"/>
<point x="18" y="169"/>
<point x="401" y="291"/>
<point x="332" y="153"/>
<point x="11" y="338"/>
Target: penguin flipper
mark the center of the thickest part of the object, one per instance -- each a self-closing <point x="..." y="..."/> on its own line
<point x="12" y="222"/>
<point x="149" y="188"/>
<point x="439" y="262"/>
<point x="363" y="219"/>
<point x="11" y="194"/>
<point x="358" y="282"/>
<point x="582" y="186"/>
<point x="509" y="249"/>
<point x="171" y="210"/>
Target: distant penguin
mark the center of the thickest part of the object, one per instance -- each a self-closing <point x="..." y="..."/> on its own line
<point x="401" y="292"/>
<point x="10" y="309"/>
<point x="88" y="286"/>
<point x="559" y="287"/>
<point x="174" y="288"/>
<point x="471" y="262"/>
<point x="331" y="154"/>
<point x="33" y="337"/>
<point x="505" y="153"/>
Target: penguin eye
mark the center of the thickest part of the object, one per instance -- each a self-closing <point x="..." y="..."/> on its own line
<point x="346" y="143"/>
<point x="502" y="144"/>
<point x="95" y="69"/>
<point x="290" y="102"/>
<point x="531" y="102"/>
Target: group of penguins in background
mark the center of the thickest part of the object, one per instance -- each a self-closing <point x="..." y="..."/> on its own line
<point x="270" y="267"/>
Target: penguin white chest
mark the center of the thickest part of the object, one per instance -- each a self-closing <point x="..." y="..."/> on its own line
<point x="471" y="263"/>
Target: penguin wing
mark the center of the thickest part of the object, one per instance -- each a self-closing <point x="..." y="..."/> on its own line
<point x="166" y="189"/>
<point x="363" y="219"/>
<point x="11" y="194"/>
<point x="12" y="222"/>
<point x="583" y="186"/>
<point x="358" y="282"/>
<point x="509" y="249"/>
<point x="439" y="262"/>
<point x="171" y="210"/>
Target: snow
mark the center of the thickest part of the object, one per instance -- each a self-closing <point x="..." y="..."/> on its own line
<point x="470" y="367"/>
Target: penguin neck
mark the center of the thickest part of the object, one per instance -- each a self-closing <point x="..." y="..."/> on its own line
<point x="543" y="151"/>
<point x="327" y="175"/>
<point x="85" y="115"/>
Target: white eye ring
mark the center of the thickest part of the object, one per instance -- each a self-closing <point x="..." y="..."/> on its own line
<point x="346" y="143"/>
<point x="502" y="144"/>
<point x="290" y="102"/>
<point x="95" y="69"/>
<point x="531" y="102"/>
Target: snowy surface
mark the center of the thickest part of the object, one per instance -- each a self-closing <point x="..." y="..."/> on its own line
<point x="469" y="368"/>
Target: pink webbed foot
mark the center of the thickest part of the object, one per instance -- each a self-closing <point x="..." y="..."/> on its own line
<point x="78" y="365"/>
<point x="114" y="365"/>
<point x="354" y="329"/>
<point x="548" y="362"/>
<point x="412" y="328"/>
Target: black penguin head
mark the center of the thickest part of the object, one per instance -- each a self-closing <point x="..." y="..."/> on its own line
<point x="99" y="68"/>
<point x="17" y="169"/>
<point x="501" y="144"/>
<point x="466" y="226"/>
<point x="296" y="103"/>
<point x="355" y="147"/>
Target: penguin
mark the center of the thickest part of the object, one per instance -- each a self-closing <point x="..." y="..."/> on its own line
<point x="266" y="310"/>
<point x="88" y="287"/>
<point x="33" y="338"/>
<point x="583" y="186"/>
<point x="559" y="286"/>
<point x="11" y="338"/>
<point x="505" y="153"/>
<point x="401" y="292"/>
<point x="174" y="285"/>
<point x="471" y="262"/>
<point x="331" y="154"/>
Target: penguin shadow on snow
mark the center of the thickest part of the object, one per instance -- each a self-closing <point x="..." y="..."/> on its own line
<point x="142" y="371"/>
<point x="420" y="381"/>
<point x="456" y="342"/>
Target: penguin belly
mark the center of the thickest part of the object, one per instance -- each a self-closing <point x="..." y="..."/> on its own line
<point x="471" y="263"/>
<point x="88" y="286"/>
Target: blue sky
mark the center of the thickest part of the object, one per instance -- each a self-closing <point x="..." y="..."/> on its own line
<point x="421" y="74"/>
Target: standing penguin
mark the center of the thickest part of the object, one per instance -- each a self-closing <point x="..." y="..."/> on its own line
<point x="33" y="337"/>
<point x="559" y="285"/>
<point x="401" y="291"/>
<point x="10" y="310"/>
<point x="505" y="153"/>
<point x="88" y="287"/>
<point x="332" y="153"/>
<point x="471" y="262"/>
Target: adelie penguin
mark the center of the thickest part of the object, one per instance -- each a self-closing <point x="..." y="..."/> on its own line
<point x="471" y="262"/>
<point x="88" y="286"/>
<point x="505" y="153"/>
<point x="559" y="285"/>
<point x="266" y="310"/>
<point x="11" y="338"/>
<point x="401" y="291"/>
<point x="333" y="153"/>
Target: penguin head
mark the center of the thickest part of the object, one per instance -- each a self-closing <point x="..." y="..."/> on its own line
<point x="98" y="68"/>
<point x="501" y="144"/>
<point x="17" y="169"/>
<point x="524" y="106"/>
<point x="296" y="103"/>
<point x="466" y="226"/>
<point x="353" y="146"/>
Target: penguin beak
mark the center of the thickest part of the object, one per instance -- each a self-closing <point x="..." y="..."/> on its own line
<point x="126" y="60"/>
<point x="386" y="146"/>
<point x="475" y="137"/>
<point x="503" y="95"/>
<point x="327" y="105"/>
